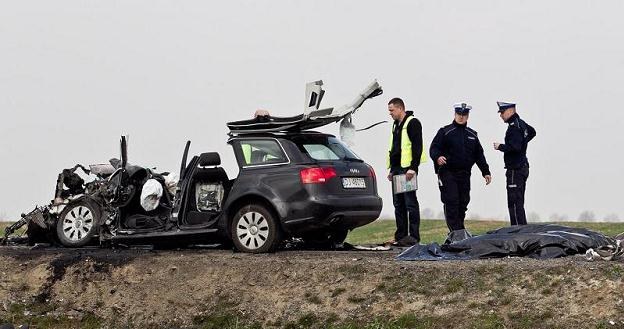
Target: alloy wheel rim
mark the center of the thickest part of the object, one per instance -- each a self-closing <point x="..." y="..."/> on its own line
<point x="77" y="223"/>
<point x="252" y="230"/>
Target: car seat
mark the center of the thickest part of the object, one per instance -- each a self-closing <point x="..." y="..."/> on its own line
<point x="208" y="171"/>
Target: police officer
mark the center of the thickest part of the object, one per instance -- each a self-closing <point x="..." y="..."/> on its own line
<point x="517" y="138"/>
<point x="404" y="156"/>
<point x="454" y="150"/>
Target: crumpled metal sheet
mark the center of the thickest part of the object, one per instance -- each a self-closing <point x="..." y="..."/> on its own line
<point x="609" y="252"/>
<point x="540" y="241"/>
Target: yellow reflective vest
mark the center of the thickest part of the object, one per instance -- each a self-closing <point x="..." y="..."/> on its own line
<point x="406" y="146"/>
<point x="246" y="153"/>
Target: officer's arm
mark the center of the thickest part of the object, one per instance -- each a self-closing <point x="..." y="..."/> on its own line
<point x="435" y="150"/>
<point x="513" y="140"/>
<point x="481" y="162"/>
<point x="414" y="132"/>
<point x="531" y="132"/>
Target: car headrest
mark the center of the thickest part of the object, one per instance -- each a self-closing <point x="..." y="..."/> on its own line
<point x="209" y="159"/>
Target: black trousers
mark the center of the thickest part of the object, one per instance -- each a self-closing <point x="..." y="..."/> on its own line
<point x="406" y="212"/>
<point x="516" y="185"/>
<point x="455" y="193"/>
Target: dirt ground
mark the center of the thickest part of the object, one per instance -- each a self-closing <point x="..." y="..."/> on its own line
<point x="206" y="288"/>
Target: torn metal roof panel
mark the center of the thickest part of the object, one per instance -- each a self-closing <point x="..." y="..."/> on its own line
<point x="312" y="116"/>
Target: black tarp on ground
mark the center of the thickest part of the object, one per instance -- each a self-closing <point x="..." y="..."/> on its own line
<point x="534" y="240"/>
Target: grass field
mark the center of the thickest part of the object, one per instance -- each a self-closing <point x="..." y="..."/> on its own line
<point x="3" y="225"/>
<point x="436" y="230"/>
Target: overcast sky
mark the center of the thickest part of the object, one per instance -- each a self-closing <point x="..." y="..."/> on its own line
<point x="74" y="75"/>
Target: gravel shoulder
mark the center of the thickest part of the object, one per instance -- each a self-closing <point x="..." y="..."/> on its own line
<point x="206" y="288"/>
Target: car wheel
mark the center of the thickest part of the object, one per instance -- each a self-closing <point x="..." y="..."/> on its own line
<point x="77" y="224"/>
<point x="255" y="230"/>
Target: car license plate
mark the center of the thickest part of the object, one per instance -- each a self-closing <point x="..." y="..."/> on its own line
<point x="353" y="182"/>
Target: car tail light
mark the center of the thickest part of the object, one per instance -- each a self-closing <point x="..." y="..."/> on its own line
<point x="317" y="175"/>
<point x="372" y="172"/>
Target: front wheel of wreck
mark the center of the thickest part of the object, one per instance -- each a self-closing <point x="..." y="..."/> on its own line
<point x="254" y="229"/>
<point x="78" y="223"/>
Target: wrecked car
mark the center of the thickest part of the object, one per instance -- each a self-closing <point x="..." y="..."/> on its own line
<point x="292" y="182"/>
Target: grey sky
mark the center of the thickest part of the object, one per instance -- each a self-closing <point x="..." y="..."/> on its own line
<point x="74" y="75"/>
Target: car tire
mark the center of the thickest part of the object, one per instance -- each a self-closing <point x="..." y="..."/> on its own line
<point x="78" y="223"/>
<point x="254" y="229"/>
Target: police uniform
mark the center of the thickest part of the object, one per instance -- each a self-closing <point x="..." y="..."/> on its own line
<point x="405" y="153"/>
<point x="460" y="146"/>
<point x="517" y="138"/>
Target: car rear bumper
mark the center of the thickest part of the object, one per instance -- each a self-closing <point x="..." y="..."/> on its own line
<point x="335" y="213"/>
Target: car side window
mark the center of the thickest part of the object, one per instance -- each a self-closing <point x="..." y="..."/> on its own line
<point x="261" y="151"/>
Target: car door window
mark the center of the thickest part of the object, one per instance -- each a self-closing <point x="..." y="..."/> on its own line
<point x="260" y="152"/>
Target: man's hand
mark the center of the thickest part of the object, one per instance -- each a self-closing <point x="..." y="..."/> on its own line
<point x="390" y="176"/>
<point x="488" y="179"/>
<point x="441" y="161"/>
<point x="496" y="145"/>
<point x="410" y="174"/>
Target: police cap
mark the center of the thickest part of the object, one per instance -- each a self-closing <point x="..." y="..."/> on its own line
<point x="462" y="108"/>
<point x="502" y="106"/>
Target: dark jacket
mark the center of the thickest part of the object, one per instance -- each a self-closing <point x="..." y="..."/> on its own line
<point x="414" y="132"/>
<point x="461" y="147"/>
<point x="517" y="138"/>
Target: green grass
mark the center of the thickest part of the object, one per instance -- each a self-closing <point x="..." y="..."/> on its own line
<point x="436" y="230"/>
<point x="4" y="225"/>
<point x="38" y="317"/>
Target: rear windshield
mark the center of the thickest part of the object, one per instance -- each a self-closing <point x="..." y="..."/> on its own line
<point x="325" y="148"/>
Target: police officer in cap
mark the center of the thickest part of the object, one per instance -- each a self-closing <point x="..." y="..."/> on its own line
<point x="517" y="139"/>
<point x="454" y="150"/>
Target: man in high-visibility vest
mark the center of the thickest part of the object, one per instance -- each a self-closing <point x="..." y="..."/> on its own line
<point x="454" y="151"/>
<point x="404" y="156"/>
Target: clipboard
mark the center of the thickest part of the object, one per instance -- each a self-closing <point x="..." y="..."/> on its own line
<point x="400" y="184"/>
